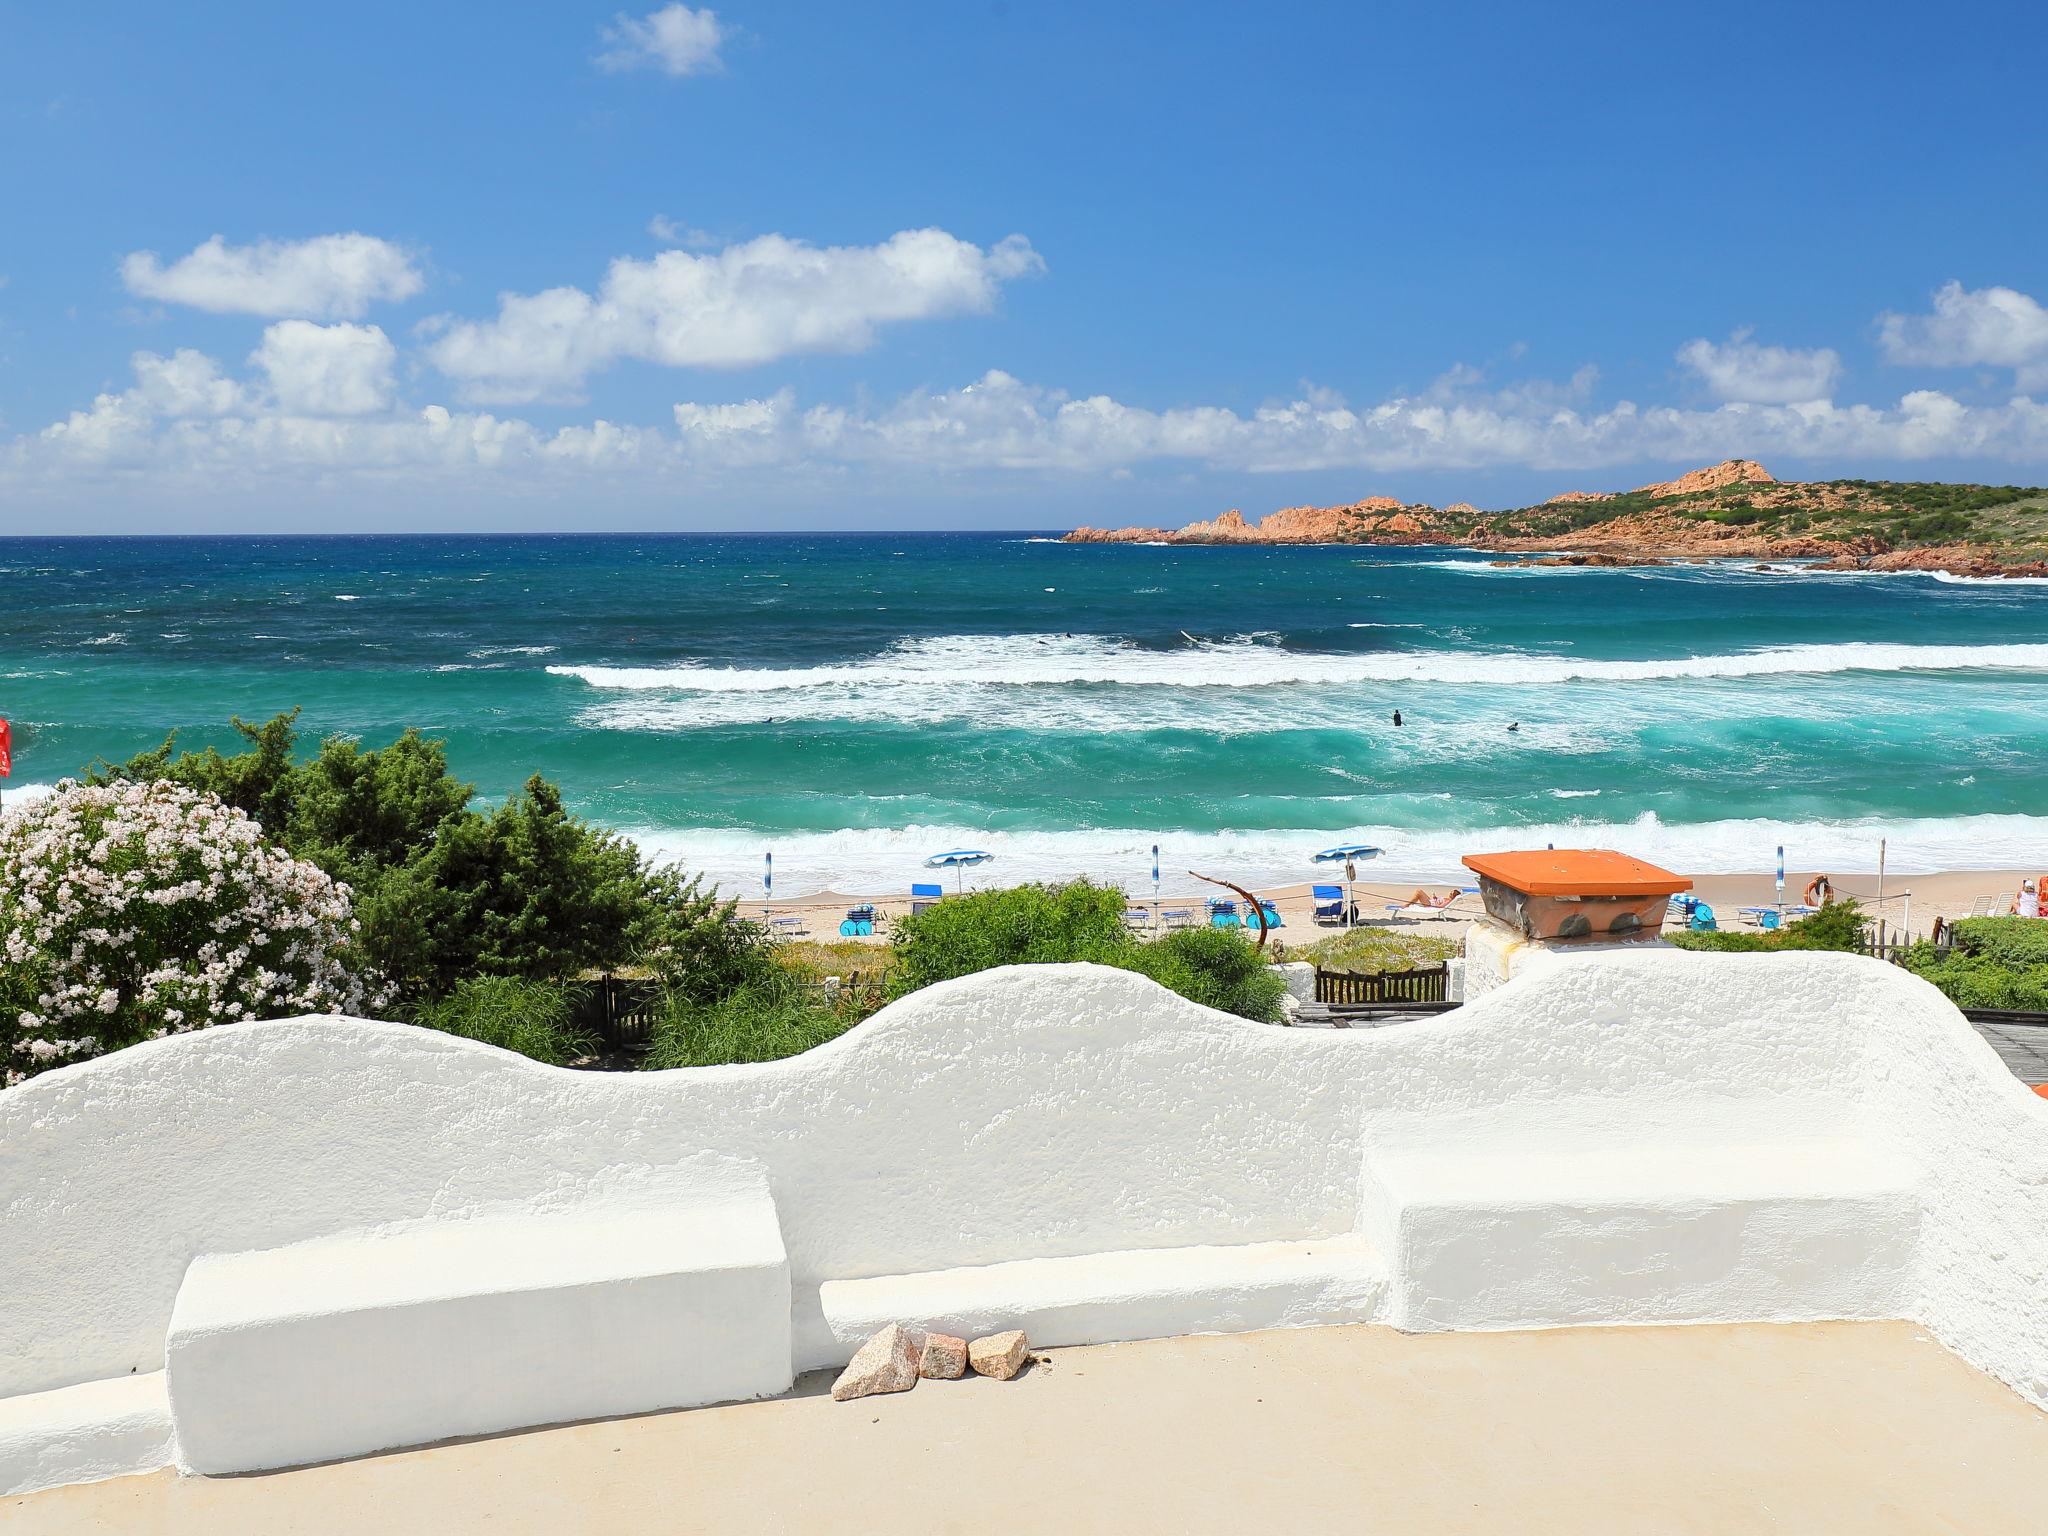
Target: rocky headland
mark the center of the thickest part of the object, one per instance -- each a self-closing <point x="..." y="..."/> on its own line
<point x="1732" y="510"/>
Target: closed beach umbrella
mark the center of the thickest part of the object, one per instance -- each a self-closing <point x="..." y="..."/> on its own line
<point x="958" y="859"/>
<point x="1345" y="853"/>
<point x="1155" y="874"/>
<point x="767" y="880"/>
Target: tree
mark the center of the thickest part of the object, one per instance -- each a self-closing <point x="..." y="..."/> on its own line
<point x="137" y="910"/>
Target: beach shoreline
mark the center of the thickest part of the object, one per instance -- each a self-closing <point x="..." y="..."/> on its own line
<point x="1910" y="902"/>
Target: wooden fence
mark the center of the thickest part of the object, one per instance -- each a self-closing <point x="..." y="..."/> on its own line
<point x="1348" y="988"/>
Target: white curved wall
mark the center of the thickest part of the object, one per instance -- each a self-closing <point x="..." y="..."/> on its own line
<point x="1029" y="1112"/>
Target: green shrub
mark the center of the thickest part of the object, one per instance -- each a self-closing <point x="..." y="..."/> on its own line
<point x="536" y="1019"/>
<point x="1044" y="924"/>
<point x="1837" y="926"/>
<point x="1977" y="981"/>
<point x="765" y="1020"/>
<point x="1024" y="925"/>
<point x="446" y="893"/>
<point x="2017" y="942"/>
<point x="1217" y="967"/>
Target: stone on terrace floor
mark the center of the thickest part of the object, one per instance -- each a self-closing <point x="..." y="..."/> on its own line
<point x="1001" y="1355"/>
<point x="886" y="1363"/>
<point x="944" y="1357"/>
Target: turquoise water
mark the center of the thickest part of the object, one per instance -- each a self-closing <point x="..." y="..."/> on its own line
<point x="855" y="702"/>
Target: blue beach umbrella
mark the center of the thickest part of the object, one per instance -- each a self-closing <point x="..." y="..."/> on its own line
<point x="1155" y="874"/>
<point x="768" y="876"/>
<point x="957" y="860"/>
<point x="1344" y="853"/>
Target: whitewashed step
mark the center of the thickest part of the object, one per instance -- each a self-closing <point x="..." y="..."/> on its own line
<point x="1143" y="1293"/>
<point x="1513" y="1233"/>
<point x="110" y="1428"/>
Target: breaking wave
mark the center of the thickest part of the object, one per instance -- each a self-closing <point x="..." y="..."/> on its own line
<point x="1057" y="661"/>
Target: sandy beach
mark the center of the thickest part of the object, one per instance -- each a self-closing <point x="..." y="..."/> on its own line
<point x="1910" y="902"/>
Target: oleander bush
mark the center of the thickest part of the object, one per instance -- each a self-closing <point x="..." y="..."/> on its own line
<point x="447" y="893"/>
<point x="136" y="910"/>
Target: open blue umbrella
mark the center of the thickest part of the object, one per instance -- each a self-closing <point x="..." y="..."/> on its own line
<point x="1344" y="853"/>
<point x="957" y="860"/>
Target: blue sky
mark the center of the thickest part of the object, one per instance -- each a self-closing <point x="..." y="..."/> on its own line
<point x="775" y="264"/>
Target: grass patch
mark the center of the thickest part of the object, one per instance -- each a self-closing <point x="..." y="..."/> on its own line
<point x="1368" y="951"/>
<point x="534" y="1018"/>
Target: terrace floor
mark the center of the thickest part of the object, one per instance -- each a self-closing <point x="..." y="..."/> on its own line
<point x="1861" y="1428"/>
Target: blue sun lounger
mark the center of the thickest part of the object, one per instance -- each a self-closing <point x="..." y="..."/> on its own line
<point x="923" y="896"/>
<point x="1223" y="914"/>
<point x="1329" y="904"/>
<point x="860" y="922"/>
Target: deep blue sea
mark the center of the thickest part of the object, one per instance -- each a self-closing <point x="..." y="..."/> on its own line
<point x="854" y="702"/>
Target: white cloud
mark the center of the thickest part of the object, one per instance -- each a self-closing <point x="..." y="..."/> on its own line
<point x="1739" y="369"/>
<point x="749" y="304"/>
<point x="321" y="412"/>
<point x="1000" y="422"/>
<point x="675" y="40"/>
<point x="669" y="232"/>
<point x="1998" y="327"/>
<point x="326" y="277"/>
<point x="327" y="370"/>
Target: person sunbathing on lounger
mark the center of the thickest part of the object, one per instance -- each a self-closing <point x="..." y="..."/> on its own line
<point x="1422" y="898"/>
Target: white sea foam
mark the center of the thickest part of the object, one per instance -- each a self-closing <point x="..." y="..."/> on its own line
<point x="885" y="861"/>
<point x="1061" y="661"/>
<point x="1985" y="581"/>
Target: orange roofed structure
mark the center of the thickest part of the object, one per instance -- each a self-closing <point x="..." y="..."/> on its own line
<point x="1575" y="893"/>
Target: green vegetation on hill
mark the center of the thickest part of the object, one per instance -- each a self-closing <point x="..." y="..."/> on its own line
<point x="2010" y="520"/>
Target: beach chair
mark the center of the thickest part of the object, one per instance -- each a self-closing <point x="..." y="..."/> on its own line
<point x="1329" y="905"/>
<point x="1177" y="918"/>
<point x="1273" y="918"/>
<point x="925" y="896"/>
<point x="1223" y="913"/>
<point x="860" y="922"/>
<point x="788" y="928"/>
<point x="1981" y="907"/>
<point x="1138" y="919"/>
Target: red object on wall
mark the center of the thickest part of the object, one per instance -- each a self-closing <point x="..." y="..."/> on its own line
<point x="6" y="750"/>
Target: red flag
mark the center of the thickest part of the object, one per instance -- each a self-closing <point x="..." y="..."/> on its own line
<point x="6" y="750"/>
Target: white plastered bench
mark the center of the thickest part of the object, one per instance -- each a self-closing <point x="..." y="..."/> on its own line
<point x="1129" y="1294"/>
<point x="351" y="1344"/>
<point x="1516" y="1229"/>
